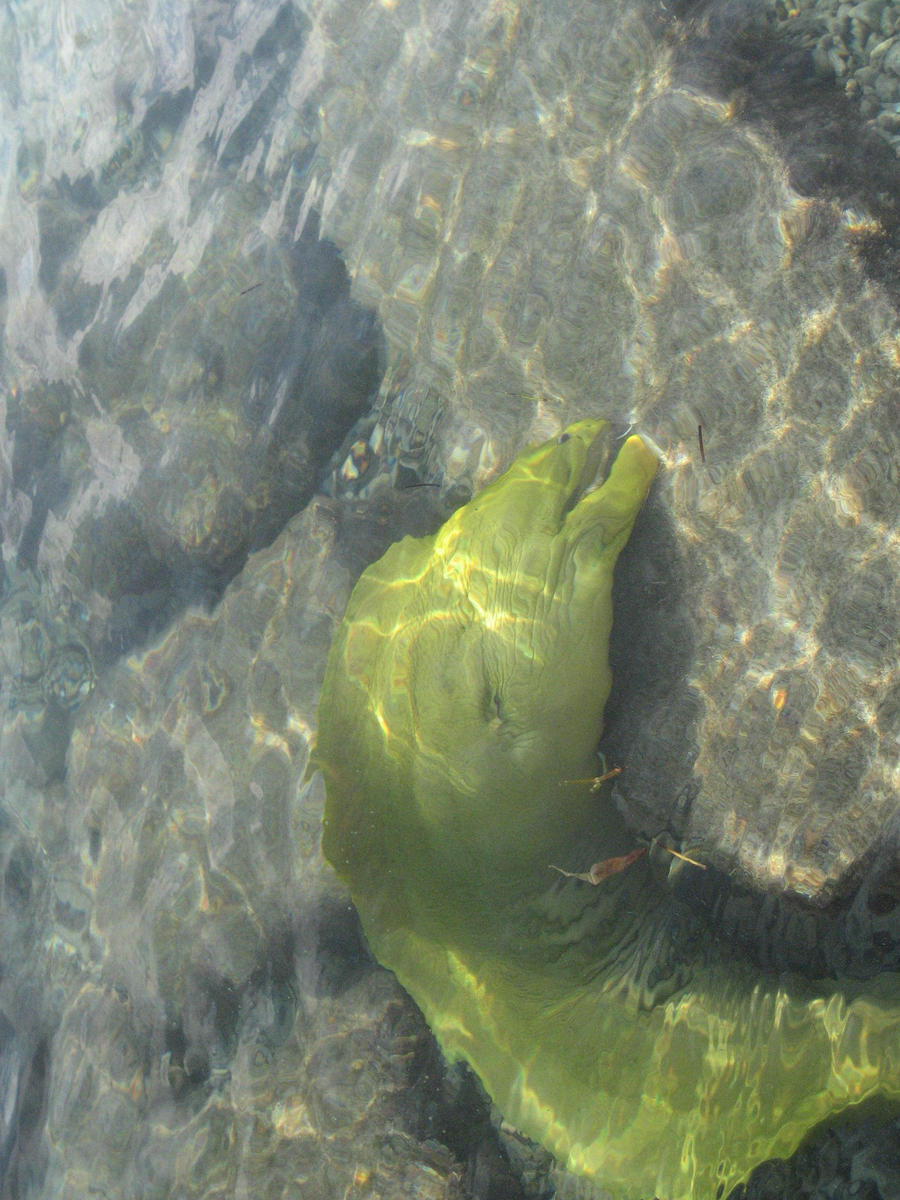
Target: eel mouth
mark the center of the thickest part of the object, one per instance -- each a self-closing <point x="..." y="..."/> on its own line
<point x="600" y="456"/>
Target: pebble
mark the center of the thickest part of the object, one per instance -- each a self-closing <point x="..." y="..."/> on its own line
<point x="857" y="44"/>
<point x="892" y="58"/>
<point x="870" y="12"/>
<point x="880" y="50"/>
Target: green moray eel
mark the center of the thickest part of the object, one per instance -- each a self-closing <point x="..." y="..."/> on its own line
<point x="465" y="686"/>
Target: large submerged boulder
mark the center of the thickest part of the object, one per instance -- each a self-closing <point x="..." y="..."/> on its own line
<point x="218" y="1017"/>
<point x="551" y="221"/>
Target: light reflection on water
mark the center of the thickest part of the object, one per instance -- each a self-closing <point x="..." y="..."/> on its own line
<point x="540" y="219"/>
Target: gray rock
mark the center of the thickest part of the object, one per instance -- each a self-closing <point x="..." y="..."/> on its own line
<point x="866" y="76"/>
<point x="891" y="61"/>
<point x="182" y="446"/>
<point x="678" y="282"/>
<point x="880" y="50"/>
<point x="869" y="11"/>
<point x="226" y="1023"/>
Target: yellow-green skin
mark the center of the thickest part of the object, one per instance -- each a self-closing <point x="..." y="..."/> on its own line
<point x="467" y="681"/>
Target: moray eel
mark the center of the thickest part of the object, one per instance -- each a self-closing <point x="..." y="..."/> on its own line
<point x="465" y="686"/>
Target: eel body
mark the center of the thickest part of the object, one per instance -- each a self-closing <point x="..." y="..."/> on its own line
<point x="465" y="686"/>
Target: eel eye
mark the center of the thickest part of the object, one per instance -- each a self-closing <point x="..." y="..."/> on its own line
<point x="563" y="437"/>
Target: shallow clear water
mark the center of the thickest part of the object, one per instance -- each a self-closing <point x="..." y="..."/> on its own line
<point x="256" y="252"/>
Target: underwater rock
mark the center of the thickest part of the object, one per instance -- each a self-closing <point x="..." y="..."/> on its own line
<point x="220" y="1018"/>
<point x="544" y="208"/>
<point x="46" y="674"/>
<point x="330" y="1106"/>
<point x="462" y="701"/>
<point x="199" y="422"/>
<point x="181" y="354"/>
<point x="202" y="415"/>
